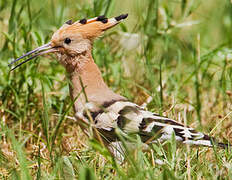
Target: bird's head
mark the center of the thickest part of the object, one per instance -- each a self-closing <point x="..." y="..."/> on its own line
<point x="73" y="39"/>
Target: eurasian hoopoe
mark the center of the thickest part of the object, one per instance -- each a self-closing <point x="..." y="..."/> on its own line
<point x="95" y="103"/>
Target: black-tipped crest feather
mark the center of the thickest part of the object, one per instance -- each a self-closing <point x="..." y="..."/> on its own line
<point x="122" y="16"/>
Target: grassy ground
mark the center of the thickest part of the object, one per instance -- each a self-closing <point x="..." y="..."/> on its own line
<point x="176" y="51"/>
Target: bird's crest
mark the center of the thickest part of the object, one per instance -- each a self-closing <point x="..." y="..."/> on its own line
<point x="90" y="28"/>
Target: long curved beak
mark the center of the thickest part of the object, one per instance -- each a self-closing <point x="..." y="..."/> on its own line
<point x="44" y="49"/>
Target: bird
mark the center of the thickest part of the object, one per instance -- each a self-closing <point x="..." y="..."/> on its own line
<point x="111" y="115"/>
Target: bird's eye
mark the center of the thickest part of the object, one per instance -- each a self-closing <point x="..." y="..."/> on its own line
<point x="67" y="41"/>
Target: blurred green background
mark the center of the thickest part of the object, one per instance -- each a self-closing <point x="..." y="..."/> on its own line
<point x="178" y="52"/>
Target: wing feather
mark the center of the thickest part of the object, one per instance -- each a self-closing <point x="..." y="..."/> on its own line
<point x="133" y="119"/>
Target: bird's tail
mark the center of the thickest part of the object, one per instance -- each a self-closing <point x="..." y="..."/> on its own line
<point x="206" y="140"/>
<point x="186" y="135"/>
<point x="220" y="144"/>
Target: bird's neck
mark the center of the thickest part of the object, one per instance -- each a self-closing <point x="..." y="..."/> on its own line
<point x="87" y="84"/>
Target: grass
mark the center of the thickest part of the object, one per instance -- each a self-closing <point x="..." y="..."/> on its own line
<point x="179" y="53"/>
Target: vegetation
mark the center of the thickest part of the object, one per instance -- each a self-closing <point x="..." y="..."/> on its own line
<point x="176" y="51"/>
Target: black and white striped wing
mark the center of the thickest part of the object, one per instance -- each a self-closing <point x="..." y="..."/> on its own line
<point x="131" y="118"/>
